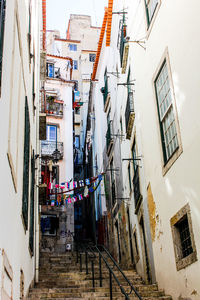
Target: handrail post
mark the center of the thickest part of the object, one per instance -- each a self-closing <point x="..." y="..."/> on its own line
<point x="86" y="261"/>
<point x="93" y="284"/>
<point x="110" y="276"/>
<point x="80" y="262"/>
<point x="100" y="271"/>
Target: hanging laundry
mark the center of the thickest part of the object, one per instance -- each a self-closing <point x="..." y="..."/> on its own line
<point x="81" y="183"/>
<point x="87" y="181"/>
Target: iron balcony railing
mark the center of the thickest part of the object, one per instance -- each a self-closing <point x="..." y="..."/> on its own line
<point x="109" y="135"/>
<point x="55" y="108"/>
<point x="48" y="148"/>
<point x="129" y="114"/>
<point x="136" y="187"/>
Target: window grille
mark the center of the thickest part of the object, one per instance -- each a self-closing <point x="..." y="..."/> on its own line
<point x="166" y="113"/>
<point x="184" y="232"/>
<point x="25" y="196"/>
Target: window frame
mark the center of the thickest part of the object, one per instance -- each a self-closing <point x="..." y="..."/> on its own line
<point x="166" y="165"/>
<point x="48" y="132"/>
<point x="182" y="262"/>
<point x="92" y="55"/>
<point x="149" y="19"/>
<point x="162" y="117"/>
<point x="77" y="137"/>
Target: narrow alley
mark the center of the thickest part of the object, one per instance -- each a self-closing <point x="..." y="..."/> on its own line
<point x="99" y="152"/>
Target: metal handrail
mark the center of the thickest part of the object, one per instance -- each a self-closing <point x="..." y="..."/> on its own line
<point x="118" y="267"/>
<point x="111" y="272"/>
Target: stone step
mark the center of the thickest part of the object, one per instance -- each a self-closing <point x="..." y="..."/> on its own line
<point x="152" y="287"/>
<point x="97" y="297"/>
<point x="60" y="279"/>
<point x="83" y="293"/>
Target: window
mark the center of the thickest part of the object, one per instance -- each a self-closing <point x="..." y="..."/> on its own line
<point x="25" y="196"/>
<point x="92" y="57"/>
<point x="50" y="70"/>
<point x="2" y="24"/>
<point x="75" y="65"/>
<point x="150" y="9"/>
<point x="183" y="238"/>
<point x="184" y="233"/>
<point x="72" y="47"/>
<point x="166" y="113"/>
<point x="77" y="141"/>
<point x="136" y="179"/>
<point x="51" y="133"/>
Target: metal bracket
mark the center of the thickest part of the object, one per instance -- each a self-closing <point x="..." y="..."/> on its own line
<point x="116" y="74"/>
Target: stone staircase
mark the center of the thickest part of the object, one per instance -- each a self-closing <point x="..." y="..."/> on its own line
<point x="61" y="279"/>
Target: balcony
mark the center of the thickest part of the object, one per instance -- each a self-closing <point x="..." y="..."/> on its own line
<point x="109" y="137"/>
<point x="48" y="149"/>
<point x="129" y="115"/>
<point x="54" y="107"/>
<point x="136" y="188"/>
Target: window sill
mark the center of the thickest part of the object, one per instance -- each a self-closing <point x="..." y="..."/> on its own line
<point x="186" y="261"/>
<point x="172" y="160"/>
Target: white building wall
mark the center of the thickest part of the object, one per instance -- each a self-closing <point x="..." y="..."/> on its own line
<point x="179" y="185"/>
<point x="16" y="84"/>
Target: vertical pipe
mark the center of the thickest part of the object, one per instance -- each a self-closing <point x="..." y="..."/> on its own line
<point x="86" y="261"/>
<point x="44" y="24"/>
<point x="110" y="284"/>
<point x="93" y="284"/>
<point x="100" y="271"/>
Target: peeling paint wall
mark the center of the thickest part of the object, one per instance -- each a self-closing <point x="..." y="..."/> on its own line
<point x="152" y="212"/>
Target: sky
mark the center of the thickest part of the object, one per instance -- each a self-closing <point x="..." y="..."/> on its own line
<point x="58" y="12"/>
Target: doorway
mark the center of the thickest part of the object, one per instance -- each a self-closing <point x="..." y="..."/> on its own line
<point x="118" y="241"/>
<point x="130" y="238"/>
<point x="145" y="251"/>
